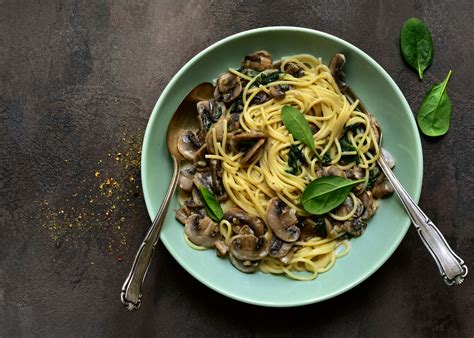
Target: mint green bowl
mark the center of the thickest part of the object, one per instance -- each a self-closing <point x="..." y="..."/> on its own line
<point x="385" y="231"/>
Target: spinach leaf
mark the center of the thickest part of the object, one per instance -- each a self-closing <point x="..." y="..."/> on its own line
<point x="416" y="45"/>
<point x="266" y="78"/>
<point x="373" y="176"/>
<point x="320" y="227"/>
<point x="326" y="159"/>
<point x="434" y="115"/>
<point x="326" y="193"/>
<point x="295" y="159"/>
<point x="346" y="145"/>
<point x="212" y="206"/>
<point x="297" y="125"/>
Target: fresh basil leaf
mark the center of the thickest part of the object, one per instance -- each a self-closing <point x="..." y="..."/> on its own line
<point x="416" y="45"/>
<point x="212" y="206"/>
<point x="326" y="193"/>
<point x="297" y="125"/>
<point x="434" y="115"/>
<point x="295" y="159"/>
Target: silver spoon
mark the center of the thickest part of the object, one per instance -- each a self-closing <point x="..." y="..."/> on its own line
<point x="451" y="266"/>
<point x="183" y="119"/>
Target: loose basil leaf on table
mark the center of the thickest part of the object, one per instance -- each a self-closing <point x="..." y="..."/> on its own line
<point x="434" y="115"/>
<point x="326" y="193"/>
<point x="212" y="206"/>
<point x="297" y="125"/>
<point x="416" y="45"/>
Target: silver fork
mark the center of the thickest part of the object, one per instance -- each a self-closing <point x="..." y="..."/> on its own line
<point x="451" y="266"/>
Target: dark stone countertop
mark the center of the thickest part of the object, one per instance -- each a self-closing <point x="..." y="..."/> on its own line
<point x="78" y="80"/>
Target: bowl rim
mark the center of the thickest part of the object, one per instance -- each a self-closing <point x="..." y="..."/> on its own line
<point x="152" y="121"/>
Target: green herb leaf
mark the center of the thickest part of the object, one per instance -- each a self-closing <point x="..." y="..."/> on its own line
<point x="212" y="206"/>
<point x="326" y="193"/>
<point x="434" y="115"/>
<point x="416" y="45"/>
<point x="266" y="78"/>
<point x="373" y="176"/>
<point x="297" y="125"/>
<point x="295" y="159"/>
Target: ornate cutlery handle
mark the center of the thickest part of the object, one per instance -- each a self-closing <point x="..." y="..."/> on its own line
<point x="132" y="288"/>
<point x="451" y="267"/>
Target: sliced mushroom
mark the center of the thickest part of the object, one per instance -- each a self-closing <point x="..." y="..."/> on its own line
<point x="212" y="108"/>
<point x="219" y="130"/>
<point x="243" y="230"/>
<point x="345" y="208"/>
<point x="195" y="200"/>
<point x="188" y="145"/>
<point x="313" y="227"/>
<point x="251" y="143"/>
<point x="238" y="217"/>
<point x="370" y="205"/>
<point x="332" y="170"/>
<point x="185" y="180"/>
<point x="233" y="123"/>
<point x="200" y="157"/>
<point x="277" y="92"/>
<point x="388" y="158"/>
<point x="260" y="98"/>
<point x="244" y="266"/>
<point x="203" y="178"/>
<point x="356" y="226"/>
<point x="382" y="190"/>
<point x="282" y="219"/>
<point x="228" y="87"/>
<point x="357" y="173"/>
<point x="216" y="181"/>
<point x="336" y="65"/>
<point x="334" y="228"/>
<point x="202" y="231"/>
<point x="259" y="61"/>
<point x="279" y="248"/>
<point x="221" y="248"/>
<point x="183" y="213"/>
<point x="287" y="258"/>
<point x="249" y="247"/>
<point x="293" y="69"/>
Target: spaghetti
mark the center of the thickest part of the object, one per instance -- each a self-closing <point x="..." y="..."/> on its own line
<point x="264" y="169"/>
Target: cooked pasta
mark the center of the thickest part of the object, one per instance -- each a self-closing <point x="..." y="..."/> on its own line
<point x="250" y="161"/>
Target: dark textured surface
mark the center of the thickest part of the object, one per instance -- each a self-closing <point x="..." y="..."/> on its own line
<point x="75" y="74"/>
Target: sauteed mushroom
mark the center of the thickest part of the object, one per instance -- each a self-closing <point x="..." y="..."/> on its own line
<point x="279" y="248"/>
<point x="188" y="145"/>
<point x="221" y="248"/>
<point x="336" y="65"/>
<point x="370" y="205"/>
<point x="259" y="61"/>
<point x="201" y="231"/>
<point x="228" y="87"/>
<point x="237" y="217"/>
<point x="244" y="266"/>
<point x="249" y="247"/>
<point x="293" y="69"/>
<point x="212" y="108"/>
<point x="332" y="170"/>
<point x="182" y="214"/>
<point x="185" y="179"/>
<point x="282" y="219"/>
<point x="251" y="143"/>
<point x="383" y="189"/>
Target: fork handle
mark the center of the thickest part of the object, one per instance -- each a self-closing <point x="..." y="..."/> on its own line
<point x="132" y="288"/>
<point x="451" y="266"/>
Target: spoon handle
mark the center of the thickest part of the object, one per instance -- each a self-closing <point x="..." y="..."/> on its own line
<point x="451" y="267"/>
<point x="132" y="288"/>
